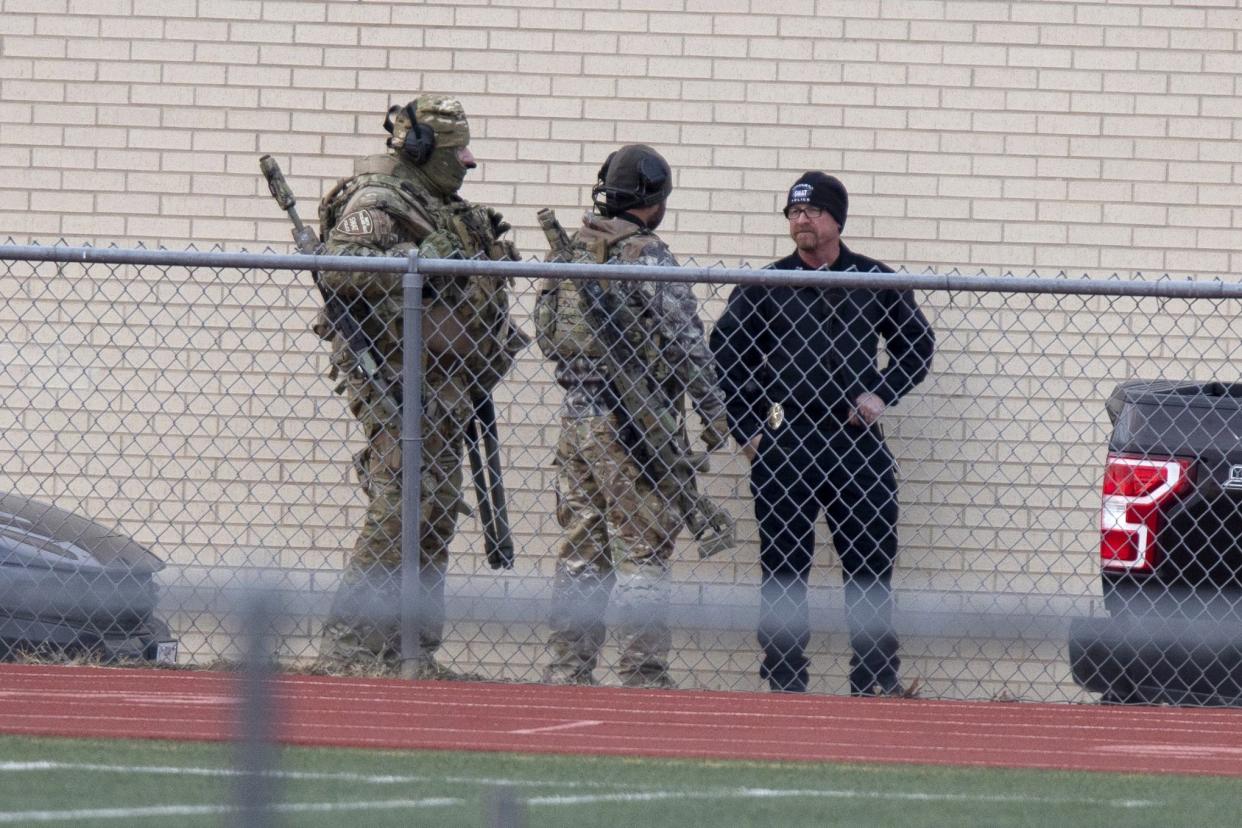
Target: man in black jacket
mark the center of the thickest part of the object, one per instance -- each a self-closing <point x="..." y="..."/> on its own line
<point x="798" y="367"/>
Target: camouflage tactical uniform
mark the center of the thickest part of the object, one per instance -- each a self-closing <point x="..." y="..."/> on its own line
<point x="620" y="529"/>
<point x="390" y="206"/>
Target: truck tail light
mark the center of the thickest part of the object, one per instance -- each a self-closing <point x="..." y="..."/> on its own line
<point x="1135" y="488"/>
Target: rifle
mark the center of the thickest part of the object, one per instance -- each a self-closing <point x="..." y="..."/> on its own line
<point x="660" y="441"/>
<point x="367" y="366"/>
<point x="488" y="483"/>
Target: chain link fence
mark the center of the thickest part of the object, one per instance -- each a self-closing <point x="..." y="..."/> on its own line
<point x="172" y="441"/>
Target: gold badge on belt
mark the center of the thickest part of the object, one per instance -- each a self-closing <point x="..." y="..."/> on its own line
<point x="776" y="415"/>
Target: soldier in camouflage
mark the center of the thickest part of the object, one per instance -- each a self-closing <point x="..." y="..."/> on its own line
<point x="620" y="528"/>
<point x="397" y="202"/>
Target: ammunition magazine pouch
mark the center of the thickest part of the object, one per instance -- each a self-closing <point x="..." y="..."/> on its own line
<point x="467" y="326"/>
<point x="561" y="328"/>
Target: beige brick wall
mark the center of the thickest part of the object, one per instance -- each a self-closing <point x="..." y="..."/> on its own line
<point x="1091" y="137"/>
<point x="1000" y="136"/>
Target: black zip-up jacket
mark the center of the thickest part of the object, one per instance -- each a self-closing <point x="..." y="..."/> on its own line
<point x="815" y="350"/>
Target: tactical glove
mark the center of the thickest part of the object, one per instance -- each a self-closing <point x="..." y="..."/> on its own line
<point x="716" y="434"/>
<point x="499" y="225"/>
<point x="439" y="245"/>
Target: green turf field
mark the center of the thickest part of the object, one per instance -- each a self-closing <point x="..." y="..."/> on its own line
<point x="87" y="783"/>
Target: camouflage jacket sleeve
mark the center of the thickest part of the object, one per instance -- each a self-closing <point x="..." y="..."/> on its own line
<point x="676" y="315"/>
<point x="367" y="229"/>
<point x="685" y="348"/>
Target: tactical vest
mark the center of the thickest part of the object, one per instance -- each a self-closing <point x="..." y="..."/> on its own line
<point x="561" y="328"/>
<point x="472" y="228"/>
<point x="467" y="317"/>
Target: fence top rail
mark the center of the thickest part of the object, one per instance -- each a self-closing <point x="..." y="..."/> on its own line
<point x="952" y="281"/>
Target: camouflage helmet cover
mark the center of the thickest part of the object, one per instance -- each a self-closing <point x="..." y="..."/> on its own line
<point x="442" y="113"/>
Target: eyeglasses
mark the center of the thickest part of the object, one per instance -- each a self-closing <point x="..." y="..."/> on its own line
<point x="807" y="210"/>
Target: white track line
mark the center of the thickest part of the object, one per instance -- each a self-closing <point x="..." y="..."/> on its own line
<point x="565" y="726"/>
<point x="123" y="697"/>
<point x="675" y="704"/>
<point x="163" y="811"/>
<point x="755" y="750"/>
<point x="812" y="793"/>
<point x="367" y="779"/>
<point x="635" y="793"/>
<point x="1179" y="751"/>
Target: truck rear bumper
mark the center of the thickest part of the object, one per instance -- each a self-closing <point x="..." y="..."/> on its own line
<point x="1158" y="660"/>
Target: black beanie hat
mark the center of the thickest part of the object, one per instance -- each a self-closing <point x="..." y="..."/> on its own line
<point x="820" y="190"/>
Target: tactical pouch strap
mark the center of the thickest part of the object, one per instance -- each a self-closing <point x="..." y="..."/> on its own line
<point x="510" y="340"/>
<point x="468" y="240"/>
<point x="330" y="206"/>
<point x="601" y="245"/>
<point x="545" y="317"/>
<point x="599" y="249"/>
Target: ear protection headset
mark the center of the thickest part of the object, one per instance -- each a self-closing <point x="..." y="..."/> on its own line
<point x="652" y="180"/>
<point x="420" y="140"/>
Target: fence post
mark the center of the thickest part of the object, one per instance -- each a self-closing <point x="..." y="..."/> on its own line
<point x="255" y="747"/>
<point x="503" y="809"/>
<point x="411" y="461"/>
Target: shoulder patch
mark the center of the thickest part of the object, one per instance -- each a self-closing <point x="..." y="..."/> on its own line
<point x="357" y="223"/>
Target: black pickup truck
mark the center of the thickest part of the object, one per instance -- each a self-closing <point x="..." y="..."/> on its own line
<point x="1170" y="549"/>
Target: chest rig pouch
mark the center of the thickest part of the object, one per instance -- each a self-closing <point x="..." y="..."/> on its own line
<point x="466" y="325"/>
<point x="562" y="330"/>
<point x="467" y="320"/>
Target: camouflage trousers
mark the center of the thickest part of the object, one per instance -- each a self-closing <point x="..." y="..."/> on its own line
<point x="362" y="633"/>
<point x="619" y="537"/>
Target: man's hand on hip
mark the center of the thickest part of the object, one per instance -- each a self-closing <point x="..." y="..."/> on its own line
<point x="867" y="409"/>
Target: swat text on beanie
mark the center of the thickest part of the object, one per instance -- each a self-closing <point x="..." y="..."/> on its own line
<point x="820" y="190"/>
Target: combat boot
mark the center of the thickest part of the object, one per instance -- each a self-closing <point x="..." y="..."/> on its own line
<point x="892" y="689"/>
<point x="426" y="668"/>
<point x="579" y="600"/>
<point x="650" y="679"/>
<point x="642" y="596"/>
<point x="556" y="674"/>
<point x="356" y="650"/>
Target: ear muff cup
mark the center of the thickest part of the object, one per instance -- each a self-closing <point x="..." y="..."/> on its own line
<point x="420" y="142"/>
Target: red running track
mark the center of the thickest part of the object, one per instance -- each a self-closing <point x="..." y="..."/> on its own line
<point x="93" y="702"/>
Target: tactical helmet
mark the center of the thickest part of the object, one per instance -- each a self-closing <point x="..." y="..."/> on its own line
<point x="633" y="176"/>
<point x="425" y="123"/>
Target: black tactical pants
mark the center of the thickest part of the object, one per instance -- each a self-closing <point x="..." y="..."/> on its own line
<point x="849" y="474"/>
